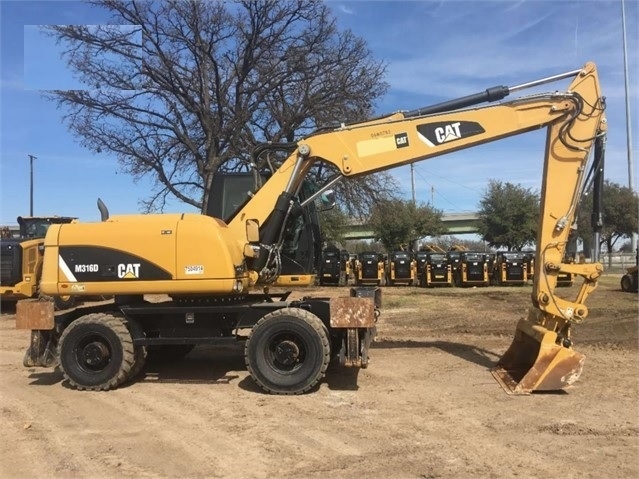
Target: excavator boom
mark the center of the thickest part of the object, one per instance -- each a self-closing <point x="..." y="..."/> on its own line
<point x="541" y="356"/>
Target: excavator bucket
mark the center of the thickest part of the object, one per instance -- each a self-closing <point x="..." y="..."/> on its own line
<point x="535" y="362"/>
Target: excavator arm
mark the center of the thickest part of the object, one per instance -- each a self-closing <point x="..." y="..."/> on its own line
<point x="541" y="356"/>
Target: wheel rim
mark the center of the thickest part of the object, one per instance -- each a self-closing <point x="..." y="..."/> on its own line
<point x="286" y="352"/>
<point x="93" y="353"/>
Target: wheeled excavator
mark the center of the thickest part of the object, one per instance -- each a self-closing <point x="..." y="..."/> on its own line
<point x="212" y="270"/>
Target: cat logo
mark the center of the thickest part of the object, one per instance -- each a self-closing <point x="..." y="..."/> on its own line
<point x="438" y="133"/>
<point x="447" y="133"/>
<point x="401" y="140"/>
<point x="129" y="271"/>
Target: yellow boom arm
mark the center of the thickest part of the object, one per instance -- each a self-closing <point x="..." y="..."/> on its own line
<point x="574" y="120"/>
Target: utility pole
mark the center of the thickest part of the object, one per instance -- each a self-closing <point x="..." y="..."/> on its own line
<point x="628" y="129"/>
<point x="412" y="179"/>
<point x="31" y="158"/>
<point x="631" y="181"/>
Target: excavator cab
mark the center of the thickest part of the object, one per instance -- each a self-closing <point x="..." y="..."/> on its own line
<point x="301" y="246"/>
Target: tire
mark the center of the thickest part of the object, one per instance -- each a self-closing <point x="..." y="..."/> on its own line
<point x="61" y="303"/>
<point x="288" y="351"/>
<point x="626" y="283"/>
<point x="139" y="361"/>
<point x="140" y="353"/>
<point x="96" y="352"/>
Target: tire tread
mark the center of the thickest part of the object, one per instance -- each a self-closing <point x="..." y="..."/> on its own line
<point x="314" y="322"/>
<point x="118" y="326"/>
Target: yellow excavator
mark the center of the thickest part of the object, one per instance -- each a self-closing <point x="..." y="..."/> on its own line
<point x="21" y="260"/>
<point x="213" y="269"/>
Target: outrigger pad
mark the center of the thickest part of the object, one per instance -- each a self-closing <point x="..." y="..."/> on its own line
<point x="535" y="362"/>
<point x="41" y="351"/>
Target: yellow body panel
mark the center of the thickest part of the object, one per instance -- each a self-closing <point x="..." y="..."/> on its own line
<point x="196" y="251"/>
<point x="21" y="290"/>
<point x="286" y="280"/>
<point x="31" y="267"/>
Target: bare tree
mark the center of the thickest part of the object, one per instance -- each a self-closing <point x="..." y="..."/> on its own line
<point x="182" y="88"/>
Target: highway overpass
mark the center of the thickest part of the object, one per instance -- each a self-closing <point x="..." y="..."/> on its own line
<point x="456" y="223"/>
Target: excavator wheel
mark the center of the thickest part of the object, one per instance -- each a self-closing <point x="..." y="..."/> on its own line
<point x="63" y="302"/>
<point x="60" y="303"/>
<point x="96" y="352"/>
<point x="140" y="353"/>
<point x="288" y="351"/>
<point x="629" y="282"/>
<point x="139" y="361"/>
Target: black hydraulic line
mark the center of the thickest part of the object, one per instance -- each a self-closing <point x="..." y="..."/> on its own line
<point x="596" y="219"/>
<point x="491" y="94"/>
<point x="270" y="232"/>
<point x="259" y="149"/>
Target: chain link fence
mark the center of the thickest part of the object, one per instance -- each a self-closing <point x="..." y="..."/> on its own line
<point x="617" y="262"/>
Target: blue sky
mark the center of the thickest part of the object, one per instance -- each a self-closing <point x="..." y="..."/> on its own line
<point x="435" y="50"/>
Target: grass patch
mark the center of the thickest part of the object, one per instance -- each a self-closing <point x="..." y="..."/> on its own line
<point x="395" y="302"/>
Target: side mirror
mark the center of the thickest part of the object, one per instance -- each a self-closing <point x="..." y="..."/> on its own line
<point x="252" y="231"/>
<point x="326" y="201"/>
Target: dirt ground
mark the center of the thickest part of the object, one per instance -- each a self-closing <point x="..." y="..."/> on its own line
<point x="426" y="407"/>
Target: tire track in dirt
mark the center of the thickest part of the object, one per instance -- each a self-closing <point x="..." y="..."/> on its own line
<point x="57" y="445"/>
<point x="426" y="407"/>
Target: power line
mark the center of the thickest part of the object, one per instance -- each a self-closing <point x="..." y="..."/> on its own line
<point x="439" y="194"/>
<point x="454" y="182"/>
